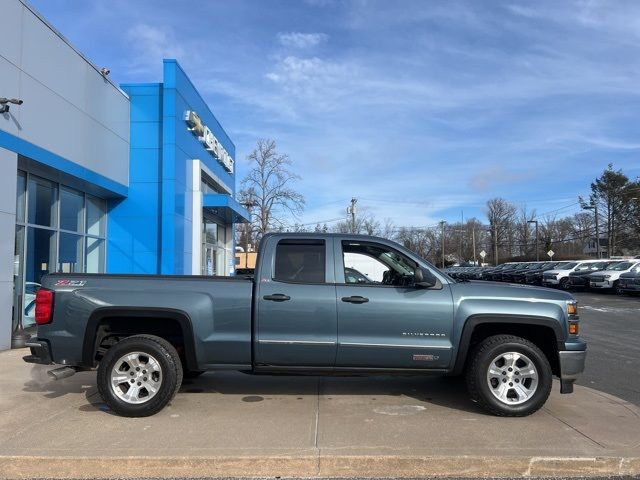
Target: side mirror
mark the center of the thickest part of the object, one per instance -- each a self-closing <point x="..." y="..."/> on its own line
<point x="424" y="278"/>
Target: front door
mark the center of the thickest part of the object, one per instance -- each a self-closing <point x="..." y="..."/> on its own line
<point x="384" y="321"/>
<point x="296" y="305"/>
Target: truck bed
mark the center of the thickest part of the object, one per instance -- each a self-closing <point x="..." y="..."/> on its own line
<point x="214" y="311"/>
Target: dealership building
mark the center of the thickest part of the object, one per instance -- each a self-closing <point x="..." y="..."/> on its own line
<point x="96" y="177"/>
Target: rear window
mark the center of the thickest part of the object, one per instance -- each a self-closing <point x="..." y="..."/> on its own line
<point x="300" y="261"/>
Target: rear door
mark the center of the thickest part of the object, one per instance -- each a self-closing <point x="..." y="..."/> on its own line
<point x="296" y="304"/>
<point x="387" y="322"/>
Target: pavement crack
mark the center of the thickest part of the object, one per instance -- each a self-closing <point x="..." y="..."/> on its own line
<point x="574" y="429"/>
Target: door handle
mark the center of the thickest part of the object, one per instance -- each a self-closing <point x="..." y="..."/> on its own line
<point x="277" y="297"/>
<point x="355" y="299"/>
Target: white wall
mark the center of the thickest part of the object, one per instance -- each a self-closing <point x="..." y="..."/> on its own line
<point x="9" y="161"/>
<point x="69" y="108"/>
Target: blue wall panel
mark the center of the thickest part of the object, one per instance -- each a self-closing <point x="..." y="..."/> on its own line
<point x="151" y="230"/>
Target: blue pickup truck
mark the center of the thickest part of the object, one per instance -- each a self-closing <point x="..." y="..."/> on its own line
<point x="318" y="304"/>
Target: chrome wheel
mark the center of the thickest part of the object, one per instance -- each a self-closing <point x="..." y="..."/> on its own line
<point x="512" y="378"/>
<point x="136" y="377"/>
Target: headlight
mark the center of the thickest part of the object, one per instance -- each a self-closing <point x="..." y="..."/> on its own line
<point x="572" y="308"/>
<point x="607" y="276"/>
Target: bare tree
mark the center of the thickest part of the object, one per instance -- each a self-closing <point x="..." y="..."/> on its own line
<point x="501" y="215"/>
<point x="267" y="189"/>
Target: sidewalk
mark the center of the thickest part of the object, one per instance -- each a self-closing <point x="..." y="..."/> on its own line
<point x="231" y="424"/>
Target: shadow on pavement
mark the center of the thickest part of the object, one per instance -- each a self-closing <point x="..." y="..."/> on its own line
<point x="449" y="392"/>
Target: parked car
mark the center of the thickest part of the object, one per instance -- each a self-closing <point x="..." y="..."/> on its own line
<point x="629" y="282"/>
<point x="489" y="273"/>
<point x="302" y="314"/>
<point x="608" y="278"/>
<point x="580" y="278"/>
<point x="505" y="274"/>
<point x="559" y="277"/>
<point x="518" y="276"/>
<point x="534" y="277"/>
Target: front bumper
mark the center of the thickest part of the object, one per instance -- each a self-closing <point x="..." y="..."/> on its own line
<point x="40" y="352"/>
<point x="571" y="366"/>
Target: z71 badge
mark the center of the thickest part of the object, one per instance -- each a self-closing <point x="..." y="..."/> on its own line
<point x="425" y="358"/>
<point x="70" y="283"/>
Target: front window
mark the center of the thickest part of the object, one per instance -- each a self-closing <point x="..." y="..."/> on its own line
<point x="379" y="264"/>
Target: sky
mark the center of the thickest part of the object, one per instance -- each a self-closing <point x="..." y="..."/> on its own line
<point x="423" y="110"/>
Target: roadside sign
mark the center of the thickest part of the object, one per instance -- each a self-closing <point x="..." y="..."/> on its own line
<point x="483" y="254"/>
<point x="551" y="253"/>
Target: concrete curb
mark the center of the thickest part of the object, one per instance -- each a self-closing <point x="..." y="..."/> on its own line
<point x="336" y="466"/>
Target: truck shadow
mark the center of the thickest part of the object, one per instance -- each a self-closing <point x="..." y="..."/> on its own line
<point x="449" y="392"/>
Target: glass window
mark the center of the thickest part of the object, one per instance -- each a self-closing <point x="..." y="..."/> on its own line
<point x="42" y="202"/>
<point x="377" y="264"/>
<point x="300" y="261"/>
<point x="70" y="254"/>
<point x="21" y="196"/>
<point x="71" y="210"/>
<point x="94" y="256"/>
<point x="95" y="216"/>
<point x="211" y="233"/>
<point x="41" y="248"/>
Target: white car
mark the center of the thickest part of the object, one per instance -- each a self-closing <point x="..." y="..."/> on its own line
<point x="605" y="279"/>
<point x="559" y="277"/>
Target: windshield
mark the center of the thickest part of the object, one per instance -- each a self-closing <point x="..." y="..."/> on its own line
<point x="622" y="266"/>
<point x="566" y="266"/>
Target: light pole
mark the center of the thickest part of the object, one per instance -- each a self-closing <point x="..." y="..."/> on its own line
<point x="537" y="249"/>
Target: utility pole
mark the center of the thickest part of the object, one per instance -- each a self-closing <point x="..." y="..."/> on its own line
<point x="593" y="205"/>
<point x="442" y="224"/>
<point x="352" y="211"/>
<point x="473" y="241"/>
<point x="495" y="242"/>
<point x="595" y="209"/>
<point x="537" y="249"/>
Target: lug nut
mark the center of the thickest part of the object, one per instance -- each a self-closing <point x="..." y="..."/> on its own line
<point x="145" y="379"/>
<point x="133" y="381"/>
<point x="510" y="369"/>
<point x="504" y="373"/>
<point x="517" y="380"/>
<point x="139" y="383"/>
<point x="504" y="380"/>
<point x="510" y="384"/>
<point x="137" y="369"/>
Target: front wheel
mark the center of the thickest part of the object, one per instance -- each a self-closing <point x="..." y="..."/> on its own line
<point x="564" y="284"/>
<point x="509" y="376"/>
<point x="139" y="375"/>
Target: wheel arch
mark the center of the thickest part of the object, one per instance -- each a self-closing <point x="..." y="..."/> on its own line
<point x="162" y="317"/>
<point x="545" y="332"/>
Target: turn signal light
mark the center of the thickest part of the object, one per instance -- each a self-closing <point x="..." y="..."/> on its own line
<point x="572" y="308"/>
<point x="573" y="328"/>
<point x="44" y="306"/>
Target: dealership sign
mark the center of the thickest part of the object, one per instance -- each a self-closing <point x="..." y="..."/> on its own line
<point x="206" y="136"/>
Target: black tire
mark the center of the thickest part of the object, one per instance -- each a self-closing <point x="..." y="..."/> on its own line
<point x="564" y="284"/>
<point x="479" y="386"/>
<point x="171" y="379"/>
<point x="616" y="288"/>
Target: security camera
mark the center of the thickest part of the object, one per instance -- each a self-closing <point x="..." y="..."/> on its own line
<point x="4" y="103"/>
<point x="105" y="71"/>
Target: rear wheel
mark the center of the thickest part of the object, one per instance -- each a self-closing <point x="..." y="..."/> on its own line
<point x="509" y="376"/>
<point x="139" y="375"/>
<point x="617" y="289"/>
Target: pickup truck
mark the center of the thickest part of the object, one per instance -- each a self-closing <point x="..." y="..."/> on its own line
<point x="301" y="314"/>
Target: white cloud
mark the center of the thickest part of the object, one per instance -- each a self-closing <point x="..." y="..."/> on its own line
<point x="301" y="40"/>
<point x="151" y="44"/>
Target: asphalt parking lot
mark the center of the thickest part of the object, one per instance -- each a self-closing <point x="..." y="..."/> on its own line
<point x="611" y="326"/>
